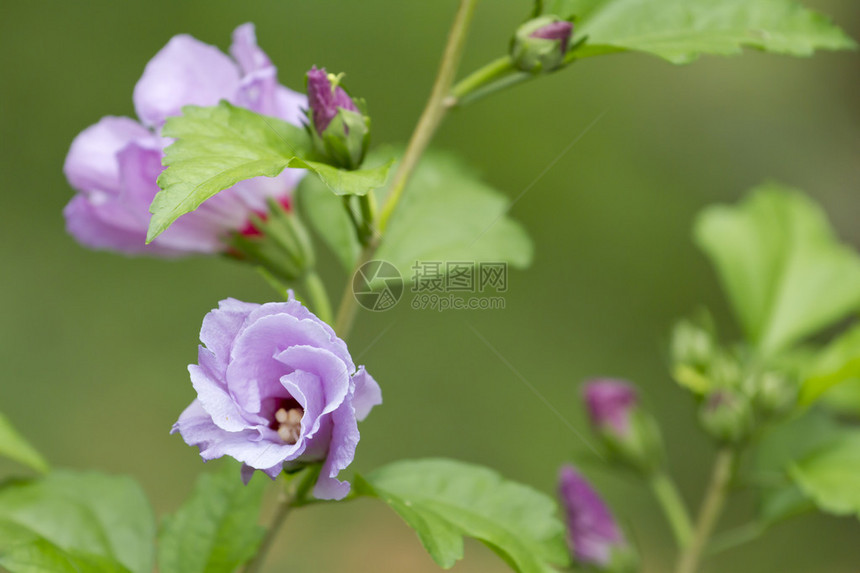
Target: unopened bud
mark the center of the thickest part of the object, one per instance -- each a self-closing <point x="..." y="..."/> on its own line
<point x="540" y="45"/>
<point x="727" y="415"/>
<point x="339" y="128"/>
<point x="630" y="434"/>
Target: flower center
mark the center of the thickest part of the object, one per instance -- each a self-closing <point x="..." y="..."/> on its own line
<point x="289" y="423"/>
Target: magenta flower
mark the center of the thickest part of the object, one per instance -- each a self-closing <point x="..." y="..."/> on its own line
<point x="114" y="164"/>
<point x="610" y="404"/>
<point x="276" y="388"/>
<point x="592" y="533"/>
<point x="324" y="101"/>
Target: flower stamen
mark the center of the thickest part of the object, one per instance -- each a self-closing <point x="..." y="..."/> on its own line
<point x="289" y="424"/>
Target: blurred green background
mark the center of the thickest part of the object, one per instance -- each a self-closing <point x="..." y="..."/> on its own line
<point x="93" y="346"/>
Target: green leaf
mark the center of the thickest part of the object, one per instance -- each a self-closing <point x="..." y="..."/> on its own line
<point x="681" y="30"/>
<point x="216" y="529"/>
<point x="844" y="398"/>
<point x="829" y="476"/>
<point x="216" y="147"/>
<point x="448" y="214"/>
<point x="15" y="447"/>
<point x="444" y="500"/>
<point x="82" y="514"/>
<point x="837" y="363"/>
<point x="342" y="182"/>
<point x="785" y="273"/>
<point x="777" y="451"/>
<point x="327" y="215"/>
<point x="24" y="551"/>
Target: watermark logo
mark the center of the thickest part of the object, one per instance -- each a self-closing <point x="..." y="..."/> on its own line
<point x="377" y="285"/>
<point x="436" y="285"/>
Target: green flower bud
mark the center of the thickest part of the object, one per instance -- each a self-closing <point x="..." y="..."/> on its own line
<point x="727" y="415"/>
<point x="540" y="45"/>
<point x="775" y="393"/>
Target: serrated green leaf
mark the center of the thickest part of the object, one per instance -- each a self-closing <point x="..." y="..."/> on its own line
<point x="15" y="447"/>
<point x="215" y="148"/>
<point x="444" y="500"/>
<point x="837" y="363"/>
<point x="681" y="30"/>
<point x="784" y="272"/>
<point x="448" y="214"/>
<point x="87" y="516"/>
<point x="216" y="529"/>
<point x="341" y="182"/>
<point x="829" y="476"/>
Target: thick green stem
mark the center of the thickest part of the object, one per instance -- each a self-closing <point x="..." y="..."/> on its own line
<point x="315" y="291"/>
<point x="673" y="507"/>
<point x="432" y="115"/>
<point x="712" y="506"/>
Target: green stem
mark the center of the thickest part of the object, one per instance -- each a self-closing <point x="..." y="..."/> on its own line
<point x="429" y="121"/>
<point x="433" y="112"/>
<point x="673" y="507"/>
<point x="285" y="505"/>
<point x="712" y="506"/>
<point x="315" y="291"/>
<point x="481" y="77"/>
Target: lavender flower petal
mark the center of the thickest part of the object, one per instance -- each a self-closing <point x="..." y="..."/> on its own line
<point x="114" y="164"/>
<point x="185" y="72"/>
<point x="276" y="388"/>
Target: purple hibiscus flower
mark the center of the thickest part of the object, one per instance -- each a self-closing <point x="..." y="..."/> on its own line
<point x="276" y="388"/>
<point x="610" y="404"/>
<point x="592" y="533"/>
<point x="114" y="164"/>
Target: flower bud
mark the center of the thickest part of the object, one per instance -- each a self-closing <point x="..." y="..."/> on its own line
<point x="692" y="345"/>
<point x="340" y="130"/>
<point x="727" y="415"/>
<point x="593" y="536"/>
<point x="275" y="240"/>
<point x="630" y="434"/>
<point x="540" y="45"/>
<point x="774" y="392"/>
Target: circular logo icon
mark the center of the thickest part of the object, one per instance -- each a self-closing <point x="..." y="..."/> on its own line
<point x="377" y="285"/>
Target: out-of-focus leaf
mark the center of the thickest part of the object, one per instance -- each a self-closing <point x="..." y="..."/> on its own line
<point x="784" y="272"/>
<point x="87" y="516"/>
<point x="15" y="447"/>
